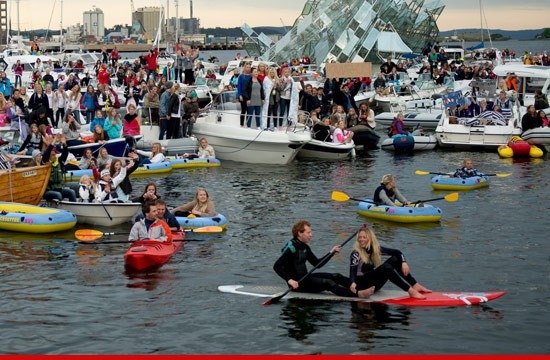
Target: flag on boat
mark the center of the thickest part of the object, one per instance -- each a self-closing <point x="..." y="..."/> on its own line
<point x="454" y="98"/>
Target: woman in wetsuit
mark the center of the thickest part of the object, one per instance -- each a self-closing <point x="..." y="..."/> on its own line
<point x="291" y="266"/>
<point x="367" y="269"/>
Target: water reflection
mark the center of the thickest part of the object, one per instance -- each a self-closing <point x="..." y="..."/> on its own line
<point x="150" y="279"/>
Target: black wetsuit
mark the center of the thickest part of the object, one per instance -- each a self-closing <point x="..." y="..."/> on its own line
<point x="292" y="265"/>
<point x="365" y="275"/>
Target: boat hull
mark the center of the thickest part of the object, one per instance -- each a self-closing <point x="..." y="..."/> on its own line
<point x="365" y="137"/>
<point x="408" y="144"/>
<point x="316" y="149"/>
<point x="537" y="136"/>
<point x="115" y="148"/>
<point x="248" y="145"/>
<point x="198" y="222"/>
<point x="24" y="185"/>
<point x="401" y="214"/>
<point x="474" y="136"/>
<point x="446" y="182"/>
<point x="151" y="169"/>
<point x="34" y="219"/>
<point x="98" y="214"/>
<point x="147" y="254"/>
<point x="426" y="120"/>
<point x="186" y="163"/>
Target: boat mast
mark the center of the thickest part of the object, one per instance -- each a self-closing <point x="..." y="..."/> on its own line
<point x="481" y="19"/>
<point x="61" y="29"/>
<point x="177" y="24"/>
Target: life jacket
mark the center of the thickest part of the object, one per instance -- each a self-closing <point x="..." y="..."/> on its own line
<point x="389" y="193"/>
<point x="394" y="129"/>
<point x="512" y="84"/>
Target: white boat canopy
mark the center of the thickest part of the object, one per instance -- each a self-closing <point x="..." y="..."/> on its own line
<point x="391" y="42"/>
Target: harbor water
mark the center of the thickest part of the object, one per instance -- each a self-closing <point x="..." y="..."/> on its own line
<point x="62" y="297"/>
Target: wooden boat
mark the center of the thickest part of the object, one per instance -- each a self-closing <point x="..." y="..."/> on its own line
<point x="34" y="219"/>
<point x="24" y="185"/>
<point x="103" y="214"/>
<point x="146" y="254"/>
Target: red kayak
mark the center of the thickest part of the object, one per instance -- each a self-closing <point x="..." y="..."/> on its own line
<point x="144" y="254"/>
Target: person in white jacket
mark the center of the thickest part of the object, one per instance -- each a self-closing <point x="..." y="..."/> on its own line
<point x="106" y="187"/>
<point x="151" y="157"/>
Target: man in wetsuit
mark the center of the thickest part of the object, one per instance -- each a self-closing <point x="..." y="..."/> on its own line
<point x="291" y="266"/>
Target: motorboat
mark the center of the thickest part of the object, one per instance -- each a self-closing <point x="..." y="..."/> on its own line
<point x="150" y="134"/>
<point x="452" y="132"/>
<point x="221" y="127"/>
<point x="531" y="78"/>
<point x="102" y="214"/>
<point x="29" y="64"/>
<point x="537" y="136"/>
<point x="426" y="119"/>
<point x="326" y="150"/>
<point x="115" y="147"/>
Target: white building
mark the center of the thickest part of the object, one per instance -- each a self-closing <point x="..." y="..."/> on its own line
<point x="94" y="23"/>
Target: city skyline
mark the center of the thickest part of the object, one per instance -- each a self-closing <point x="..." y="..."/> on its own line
<point x="227" y="14"/>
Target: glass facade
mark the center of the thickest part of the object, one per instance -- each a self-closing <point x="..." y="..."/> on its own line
<point x="348" y="30"/>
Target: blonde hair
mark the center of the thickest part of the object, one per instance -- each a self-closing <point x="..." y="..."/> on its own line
<point x="373" y="248"/>
<point x="202" y="207"/>
<point x="386" y="179"/>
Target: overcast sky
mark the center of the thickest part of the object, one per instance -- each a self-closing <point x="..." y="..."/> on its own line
<point x="501" y="14"/>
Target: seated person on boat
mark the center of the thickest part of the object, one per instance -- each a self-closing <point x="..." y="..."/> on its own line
<point x="124" y="189"/>
<point x="55" y="189"/>
<point x="106" y="187"/>
<point x="398" y="126"/>
<point x="86" y="189"/>
<point x="291" y="266"/>
<point x="201" y="206"/>
<point x="467" y="170"/>
<point x="341" y="135"/>
<point x="386" y="193"/>
<point x="205" y="151"/>
<point x="166" y="216"/>
<point x="151" y="157"/>
<point x="323" y="131"/>
<point x="150" y="227"/>
<point x="367" y="270"/>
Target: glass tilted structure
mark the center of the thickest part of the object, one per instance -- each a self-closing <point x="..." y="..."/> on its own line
<point x="351" y="30"/>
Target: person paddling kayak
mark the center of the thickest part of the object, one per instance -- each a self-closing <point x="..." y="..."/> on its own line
<point x="366" y="269"/>
<point x="150" y="228"/>
<point x="291" y="266"/>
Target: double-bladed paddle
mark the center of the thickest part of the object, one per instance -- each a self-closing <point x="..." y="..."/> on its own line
<point x="340" y="196"/>
<point x="275" y="298"/>
<point x="90" y="235"/>
<point x="420" y="172"/>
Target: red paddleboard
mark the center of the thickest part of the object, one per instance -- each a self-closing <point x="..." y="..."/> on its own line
<point x="397" y="297"/>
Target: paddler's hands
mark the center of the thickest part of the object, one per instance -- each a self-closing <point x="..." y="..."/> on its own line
<point x="293" y="283"/>
<point x="336" y="249"/>
<point x="405" y="269"/>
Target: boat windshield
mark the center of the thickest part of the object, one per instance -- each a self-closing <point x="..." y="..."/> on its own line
<point x="227" y="100"/>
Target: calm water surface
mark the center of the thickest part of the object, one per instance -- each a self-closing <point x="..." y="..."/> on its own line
<point x="60" y="297"/>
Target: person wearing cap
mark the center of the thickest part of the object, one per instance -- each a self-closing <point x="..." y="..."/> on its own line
<point x="36" y="158"/>
<point x="106" y="187"/>
<point x="150" y="227"/>
<point x="190" y="114"/>
<point x="55" y="189"/>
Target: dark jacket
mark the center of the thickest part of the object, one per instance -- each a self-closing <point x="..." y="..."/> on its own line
<point x="248" y="90"/>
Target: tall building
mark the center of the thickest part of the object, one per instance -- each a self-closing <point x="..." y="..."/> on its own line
<point x="148" y="20"/>
<point x="94" y="23"/>
<point x="186" y="26"/>
<point x="351" y="30"/>
<point x="3" y="21"/>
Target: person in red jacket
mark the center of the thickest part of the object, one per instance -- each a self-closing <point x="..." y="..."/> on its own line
<point x="152" y="63"/>
<point x="103" y="75"/>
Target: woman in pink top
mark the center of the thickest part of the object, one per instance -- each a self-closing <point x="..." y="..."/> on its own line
<point x="342" y="136"/>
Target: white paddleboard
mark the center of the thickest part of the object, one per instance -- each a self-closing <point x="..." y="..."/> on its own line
<point x="398" y="297"/>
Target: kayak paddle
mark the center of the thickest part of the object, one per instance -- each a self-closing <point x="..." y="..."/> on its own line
<point x="89" y="235"/>
<point x="340" y="196"/>
<point x="420" y="172"/>
<point x="275" y="298"/>
<point x="450" y="197"/>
